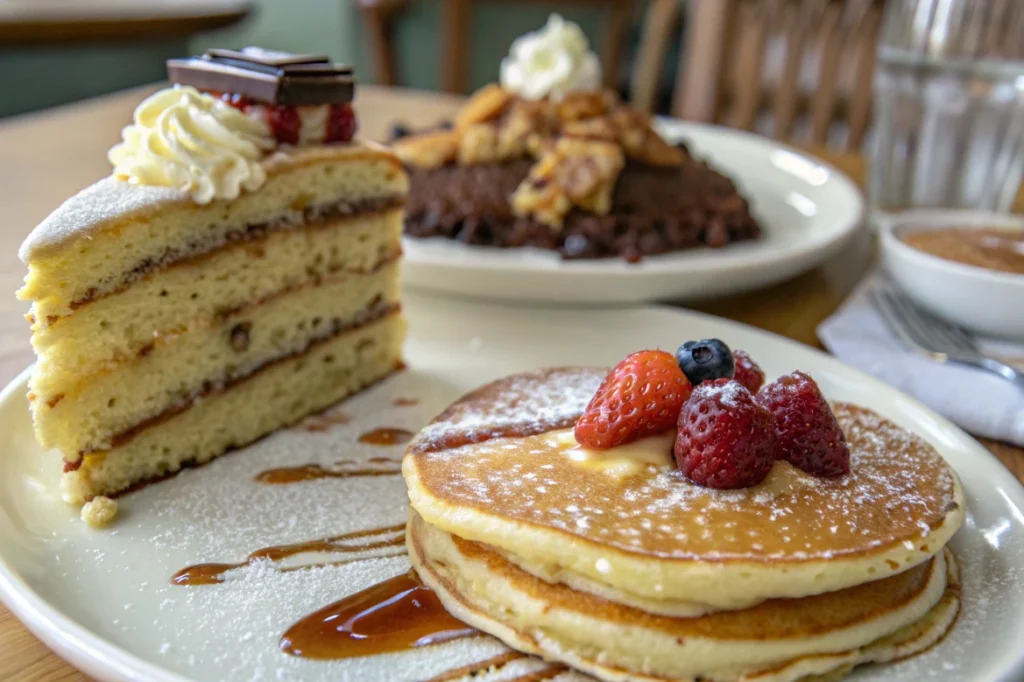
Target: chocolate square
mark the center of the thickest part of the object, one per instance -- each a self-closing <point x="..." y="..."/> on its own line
<point x="267" y="76"/>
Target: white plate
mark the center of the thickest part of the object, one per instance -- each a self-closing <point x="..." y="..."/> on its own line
<point x="103" y="601"/>
<point x="807" y="209"/>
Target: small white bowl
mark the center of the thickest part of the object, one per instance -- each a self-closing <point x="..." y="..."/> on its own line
<point x="984" y="300"/>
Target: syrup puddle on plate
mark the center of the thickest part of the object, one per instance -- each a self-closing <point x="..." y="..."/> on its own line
<point x="398" y="614"/>
<point x="395" y="615"/>
<point x="386" y="435"/>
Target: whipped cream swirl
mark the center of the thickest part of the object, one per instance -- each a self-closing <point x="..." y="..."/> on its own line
<point x="551" y="62"/>
<point x="193" y="141"/>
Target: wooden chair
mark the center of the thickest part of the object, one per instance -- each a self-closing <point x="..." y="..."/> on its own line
<point x="379" y="17"/>
<point x="456" y="18"/>
<point x="788" y="68"/>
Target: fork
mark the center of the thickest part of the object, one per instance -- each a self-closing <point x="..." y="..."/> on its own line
<point x="935" y="339"/>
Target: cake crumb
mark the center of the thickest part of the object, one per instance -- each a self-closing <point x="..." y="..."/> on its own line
<point x="99" y="512"/>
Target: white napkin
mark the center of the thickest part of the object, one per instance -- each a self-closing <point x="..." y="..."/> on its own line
<point x="979" y="402"/>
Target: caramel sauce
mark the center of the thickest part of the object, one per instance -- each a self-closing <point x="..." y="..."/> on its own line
<point x="395" y="615"/>
<point x="405" y="402"/>
<point x="310" y="472"/>
<point x="996" y="249"/>
<point x="386" y="435"/>
<point x="358" y="541"/>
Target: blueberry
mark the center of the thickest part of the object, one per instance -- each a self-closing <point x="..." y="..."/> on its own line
<point x="705" y="360"/>
<point x="398" y="131"/>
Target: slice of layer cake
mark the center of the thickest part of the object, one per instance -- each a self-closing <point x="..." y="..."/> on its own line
<point x="238" y="271"/>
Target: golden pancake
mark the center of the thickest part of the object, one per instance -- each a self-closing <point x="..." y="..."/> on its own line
<point x="498" y="467"/>
<point x="778" y="640"/>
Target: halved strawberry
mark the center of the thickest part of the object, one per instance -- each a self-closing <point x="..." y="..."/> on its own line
<point x="641" y="396"/>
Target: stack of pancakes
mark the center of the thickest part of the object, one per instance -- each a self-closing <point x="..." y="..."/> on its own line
<point x="615" y="564"/>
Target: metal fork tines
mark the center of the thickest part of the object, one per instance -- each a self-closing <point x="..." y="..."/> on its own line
<point x="934" y="338"/>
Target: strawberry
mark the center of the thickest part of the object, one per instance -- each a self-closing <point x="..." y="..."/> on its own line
<point x="640" y="397"/>
<point x="341" y="123"/>
<point x="807" y="433"/>
<point x="285" y="124"/>
<point x="725" y="439"/>
<point x="747" y="371"/>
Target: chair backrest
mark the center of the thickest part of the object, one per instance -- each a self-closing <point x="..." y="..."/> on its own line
<point x="791" y="69"/>
<point x="456" y="19"/>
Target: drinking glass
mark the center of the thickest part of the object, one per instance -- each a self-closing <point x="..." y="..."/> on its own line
<point x="949" y="105"/>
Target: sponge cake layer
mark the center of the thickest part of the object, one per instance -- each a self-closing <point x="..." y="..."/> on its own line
<point x="113" y="232"/>
<point x="96" y="407"/>
<point x="167" y="301"/>
<point x="276" y="395"/>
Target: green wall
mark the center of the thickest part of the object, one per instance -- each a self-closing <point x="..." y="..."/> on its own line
<point x="36" y="78"/>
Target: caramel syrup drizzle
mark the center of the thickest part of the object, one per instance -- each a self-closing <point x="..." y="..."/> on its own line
<point x="398" y="614"/>
<point x="386" y="435"/>
<point x="312" y="472"/>
<point x="395" y="615"/>
<point x="389" y="537"/>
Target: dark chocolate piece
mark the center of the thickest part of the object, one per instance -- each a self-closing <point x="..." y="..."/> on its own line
<point x="267" y="76"/>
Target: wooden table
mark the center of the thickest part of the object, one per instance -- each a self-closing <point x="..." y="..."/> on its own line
<point x="50" y="155"/>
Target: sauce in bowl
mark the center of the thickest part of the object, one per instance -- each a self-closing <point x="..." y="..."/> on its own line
<point x="996" y="249"/>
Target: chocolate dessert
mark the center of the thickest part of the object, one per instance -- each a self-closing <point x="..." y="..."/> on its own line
<point x="654" y="210"/>
<point x="550" y="160"/>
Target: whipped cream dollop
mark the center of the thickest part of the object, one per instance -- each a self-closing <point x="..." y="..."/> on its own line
<point x="191" y="140"/>
<point x="551" y="62"/>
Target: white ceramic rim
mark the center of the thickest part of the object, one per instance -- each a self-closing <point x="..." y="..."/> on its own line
<point x="79" y="646"/>
<point x="720" y="260"/>
<point x="930" y="219"/>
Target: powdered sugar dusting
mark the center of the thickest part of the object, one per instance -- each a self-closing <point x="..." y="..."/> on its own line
<point x="729" y="393"/>
<point x="111" y="199"/>
<point x="90" y="209"/>
<point x="520" y="405"/>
